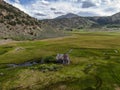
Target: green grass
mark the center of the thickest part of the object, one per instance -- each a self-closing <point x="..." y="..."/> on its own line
<point x="95" y="63"/>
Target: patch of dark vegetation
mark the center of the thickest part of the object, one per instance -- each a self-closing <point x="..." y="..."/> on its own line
<point x="3" y="52"/>
<point x="12" y="23"/>
<point x="47" y="67"/>
<point x="50" y="59"/>
<point x="5" y="49"/>
<point x="113" y="26"/>
<point x="3" y="66"/>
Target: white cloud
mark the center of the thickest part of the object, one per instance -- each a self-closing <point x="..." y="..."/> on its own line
<point x="46" y="9"/>
<point x="18" y="5"/>
<point x="17" y="1"/>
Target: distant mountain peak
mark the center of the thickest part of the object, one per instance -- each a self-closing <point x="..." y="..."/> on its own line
<point x="117" y="15"/>
<point x="69" y="15"/>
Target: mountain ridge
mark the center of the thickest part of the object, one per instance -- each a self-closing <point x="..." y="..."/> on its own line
<point x="69" y="23"/>
<point x="69" y="15"/>
<point x="107" y="20"/>
<point x="77" y="22"/>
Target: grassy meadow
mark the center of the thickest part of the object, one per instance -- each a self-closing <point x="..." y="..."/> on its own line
<point x="95" y="63"/>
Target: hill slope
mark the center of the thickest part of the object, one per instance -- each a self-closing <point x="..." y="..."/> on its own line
<point x="113" y="20"/>
<point x="69" y="22"/>
<point x="17" y="25"/>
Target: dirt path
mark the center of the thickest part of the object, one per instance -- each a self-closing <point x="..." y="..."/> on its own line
<point x="57" y="38"/>
<point x="2" y="42"/>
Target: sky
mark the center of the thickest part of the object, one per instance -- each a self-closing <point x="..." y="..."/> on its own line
<point x="49" y="9"/>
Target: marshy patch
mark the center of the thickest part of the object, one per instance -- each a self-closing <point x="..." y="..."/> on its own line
<point x="47" y="67"/>
<point x="5" y="49"/>
<point x="43" y="64"/>
<point x="73" y="83"/>
<point x="3" y="52"/>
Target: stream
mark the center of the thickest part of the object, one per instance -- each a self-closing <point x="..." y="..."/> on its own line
<point x="30" y="63"/>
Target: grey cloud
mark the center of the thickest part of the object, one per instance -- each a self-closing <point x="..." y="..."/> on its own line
<point x="87" y="4"/>
<point x="110" y="9"/>
<point x="39" y="14"/>
<point x="87" y="14"/>
<point x="58" y="13"/>
<point x="53" y="9"/>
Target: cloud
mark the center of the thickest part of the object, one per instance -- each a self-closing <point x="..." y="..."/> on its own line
<point x="17" y="4"/>
<point x="47" y="9"/>
<point x="17" y="1"/>
<point x="87" y="4"/>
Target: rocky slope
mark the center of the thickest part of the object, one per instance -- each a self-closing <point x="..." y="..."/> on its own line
<point x="15" y="24"/>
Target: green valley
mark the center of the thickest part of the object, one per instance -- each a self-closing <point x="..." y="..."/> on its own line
<point x="95" y="63"/>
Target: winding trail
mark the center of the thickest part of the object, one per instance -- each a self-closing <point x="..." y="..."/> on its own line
<point x="98" y="83"/>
